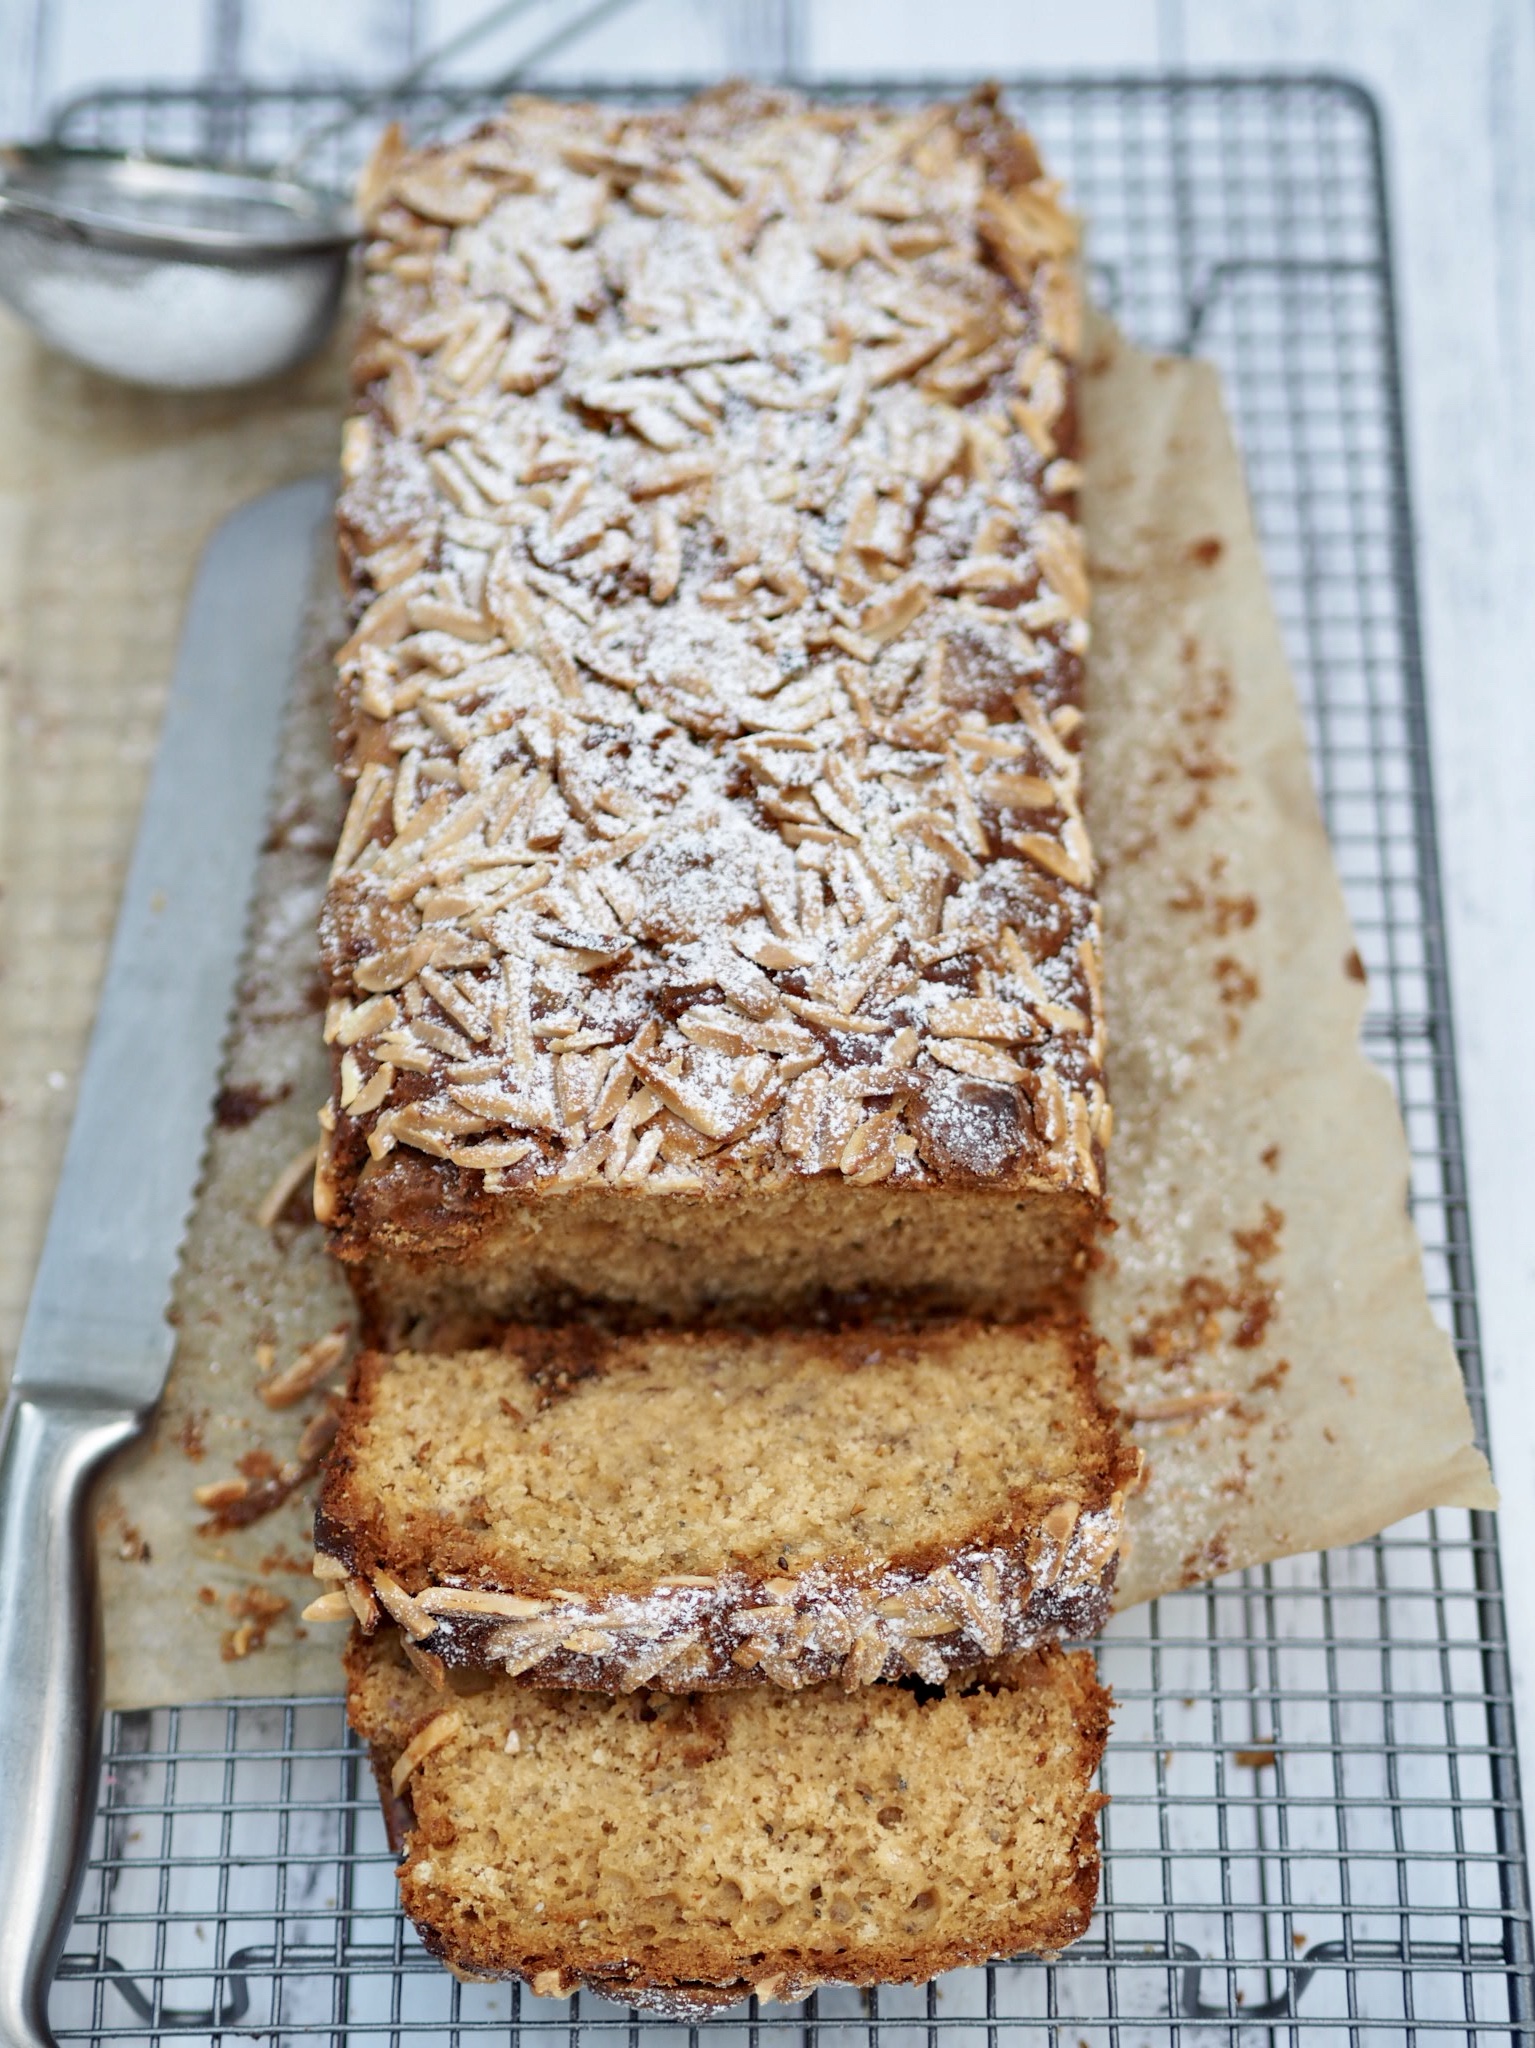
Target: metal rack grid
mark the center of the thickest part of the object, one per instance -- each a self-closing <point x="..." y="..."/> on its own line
<point x="1315" y="1827"/>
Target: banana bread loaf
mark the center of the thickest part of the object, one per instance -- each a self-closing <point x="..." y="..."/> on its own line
<point x="682" y="1853"/>
<point x="713" y="928"/>
<point x="726" y="1509"/>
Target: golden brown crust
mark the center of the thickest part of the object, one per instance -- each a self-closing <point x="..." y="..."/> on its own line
<point x="1059" y="1718"/>
<point x="1027" y="1554"/>
<point x="713" y="703"/>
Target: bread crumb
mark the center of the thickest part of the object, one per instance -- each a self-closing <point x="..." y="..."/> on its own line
<point x="253" y="1612"/>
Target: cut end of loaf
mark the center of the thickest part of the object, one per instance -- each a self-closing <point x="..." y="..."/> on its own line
<point x="689" y="1852"/>
<point x="434" y="1247"/>
<point x="731" y="1508"/>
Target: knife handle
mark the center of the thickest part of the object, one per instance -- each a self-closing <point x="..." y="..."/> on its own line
<point x="51" y="1448"/>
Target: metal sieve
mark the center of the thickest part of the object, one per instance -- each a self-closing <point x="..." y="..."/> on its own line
<point x="190" y="276"/>
<point x="182" y="276"/>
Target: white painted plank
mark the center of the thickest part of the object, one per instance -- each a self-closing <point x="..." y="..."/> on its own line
<point x="645" y="39"/>
<point x="87" y="43"/>
<point x="21" y="52"/>
<point x="1456" y="87"/>
<point x="864" y="36"/>
<point x="284" y="40"/>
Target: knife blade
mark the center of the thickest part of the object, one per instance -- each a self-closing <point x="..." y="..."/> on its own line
<point x="96" y="1346"/>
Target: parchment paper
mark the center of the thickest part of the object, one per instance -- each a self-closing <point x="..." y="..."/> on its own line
<point x="1263" y="1294"/>
<point x="106" y="498"/>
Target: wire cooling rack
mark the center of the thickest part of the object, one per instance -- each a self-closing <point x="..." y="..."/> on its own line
<point x="1315" y="1825"/>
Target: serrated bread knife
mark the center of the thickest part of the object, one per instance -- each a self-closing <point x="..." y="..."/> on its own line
<point x="96" y="1346"/>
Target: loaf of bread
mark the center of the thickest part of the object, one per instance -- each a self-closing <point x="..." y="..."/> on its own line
<point x="725" y="1509"/>
<point x="682" y="1853"/>
<point x="713" y="928"/>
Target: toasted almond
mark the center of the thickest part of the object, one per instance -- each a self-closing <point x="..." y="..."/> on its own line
<point x="328" y="1607"/>
<point x="982" y="1017"/>
<point x="688" y="533"/>
<point x="468" y="1600"/>
<point x="286" y="1184"/>
<point x="831" y="1019"/>
<point x="441" y="1729"/>
<point x="315" y="1363"/>
<point x="221" y="1493"/>
<point x="363" y="1605"/>
<point x="401" y="1607"/>
<point x="1178" y="1407"/>
<point x="1051" y="855"/>
<point x="1010" y="792"/>
<point x="983" y="1062"/>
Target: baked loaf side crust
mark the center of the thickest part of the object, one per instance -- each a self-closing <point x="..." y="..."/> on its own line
<point x="688" y="1512"/>
<point x="681" y="1855"/>
<point x="715" y="853"/>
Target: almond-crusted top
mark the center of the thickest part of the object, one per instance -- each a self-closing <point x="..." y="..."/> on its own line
<point x="712" y="701"/>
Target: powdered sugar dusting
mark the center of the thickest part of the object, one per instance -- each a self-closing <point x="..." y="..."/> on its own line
<point x="733" y="1629"/>
<point x="712" y="699"/>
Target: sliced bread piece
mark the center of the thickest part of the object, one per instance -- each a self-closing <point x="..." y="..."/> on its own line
<point x="690" y="1511"/>
<point x="681" y="1853"/>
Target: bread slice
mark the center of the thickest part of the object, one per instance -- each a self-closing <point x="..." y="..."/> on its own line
<point x="689" y="1511"/>
<point x="714" y="925"/>
<point x="683" y="1853"/>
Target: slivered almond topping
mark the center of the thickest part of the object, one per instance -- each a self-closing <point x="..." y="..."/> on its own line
<point x="983" y="1062"/>
<point x="441" y="1729"/>
<point x="692" y="1104"/>
<point x="373" y="1093"/>
<point x="366" y="1020"/>
<point x="369" y="797"/>
<point x="802" y="1112"/>
<point x="866" y="1659"/>
<point x="870" y="1153"/>
<point x="1179" y="1407"/>
<point x="287" y="1183"/>
<point x="492" y="1156"/>
<point x="363" y="1605"/>
<point x="775" y="953"/>
<point x="588" y="1642"/>
<point x="830" y="1019"/>
<point x="1061" y="1016"/>
<point x="1011" y="792"/>
<point x="314" y="1364"/>
<point x="221" y="1493"/>
<point x="982" y="1017"/>
<point x="1051" y="855"/>
<point x="328" y="1607"/>
<point x="451" y="1600"/>
<point x="1101" y="1545"/>
<point x="326" y="1567"/>
<point x="431" y="1668"/>
<point x="399" y="1605"/>
<point x="921" y="1628"/>
<point x="700" y="682"/>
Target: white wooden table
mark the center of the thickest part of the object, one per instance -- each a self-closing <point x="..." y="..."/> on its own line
<point x="1457" y="87"/>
